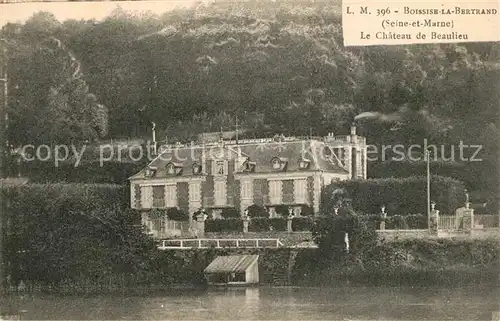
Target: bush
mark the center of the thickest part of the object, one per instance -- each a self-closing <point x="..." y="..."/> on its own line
<point x="259" y="224"/>
<point x="224" y="225"/>
<point x="401" y="196"/>
<point x="257" y="211"/>
<point x="176" y="214"/>
<point x="302" y="223"/>
<point x="329" y="234"/>
<point x="278" y="223"/>
<point x="416" y="221"/>
<point x="307" y="210"/>
<point x="230" y="212"/>
<point x="282" y="210"/>
<point x="396" y="222"/>
<point x="400" y="222"/>
<point x="372" y="220"/>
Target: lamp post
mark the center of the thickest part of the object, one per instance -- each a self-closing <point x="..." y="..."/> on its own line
<point x="427" y="158"/>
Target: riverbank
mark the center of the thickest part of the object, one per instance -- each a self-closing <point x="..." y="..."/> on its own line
<point x="396" y="263"/>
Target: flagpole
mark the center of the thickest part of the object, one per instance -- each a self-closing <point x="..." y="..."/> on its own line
<point x="236" y="130"/>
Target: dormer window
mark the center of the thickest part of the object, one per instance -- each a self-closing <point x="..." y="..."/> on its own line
<point x="173" y="168"/>
<point x="304" y="163"/>
<point x="279" y="163"/>
<point x="196" y="169"/>
<point x="248" y="166"/>
<point x="149" y="172"/>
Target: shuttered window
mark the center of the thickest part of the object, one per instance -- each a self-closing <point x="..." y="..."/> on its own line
<point x="159" y="196"/>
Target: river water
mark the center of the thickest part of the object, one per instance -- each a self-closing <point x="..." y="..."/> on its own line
<point x="272" y="303"/>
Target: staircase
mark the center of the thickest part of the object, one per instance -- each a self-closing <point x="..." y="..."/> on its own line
<point x="283" y="276"/>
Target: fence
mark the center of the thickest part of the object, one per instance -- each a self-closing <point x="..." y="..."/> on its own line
<point x="219" y="243"/>
<point x="447" y="223"/>
<point x="163" y="228"/>
<point x="452" y="222"/>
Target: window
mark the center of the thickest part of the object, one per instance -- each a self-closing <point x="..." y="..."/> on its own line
<point x="220" y="168"/>
<point x="238" y="277"/>
<point x="304" y="163"/>
<point x="249" y="166"/>
<point x="159" y="196"/>
<point x="149" y="172"/>
<point x="146" y="196"/>
<point x="171" y="196"/>
<point x="300" y="190"/>
<point x="246" y="189"/>
<point x="196" y="169"/>
<point x="194" y="192"/>
<point x="170" y="169"/>
<point x="279" y="163"/>
<point x="220" y="192"/>
<point x="275" y="191"/>
<point x="276" y="163"/>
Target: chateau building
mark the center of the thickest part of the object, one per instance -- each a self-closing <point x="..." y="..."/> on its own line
<point x="266" y="172"/>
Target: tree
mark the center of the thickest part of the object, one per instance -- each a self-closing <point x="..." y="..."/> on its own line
<point x="52" y="105"/>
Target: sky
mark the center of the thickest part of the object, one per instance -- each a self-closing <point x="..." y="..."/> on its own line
<point x="20" y="12"/>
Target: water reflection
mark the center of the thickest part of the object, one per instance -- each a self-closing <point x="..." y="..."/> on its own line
<point x="272" y="303"/>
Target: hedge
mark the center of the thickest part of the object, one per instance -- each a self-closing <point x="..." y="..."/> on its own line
<point x="399" y="222"/>
<point x="302" y="224"/>
<point x="172" y="213"/>
<point x="224" y="225"/>
<point x="56" y="199"/>
<point x="391" y="168"/>
<point x="259" y="224"/>
<point x="401" y="196"/>
<point x="70" y="233"/>
<point x="278" y="223"/>
<point x="230" y="212"/>
<point x="257" y="211"/>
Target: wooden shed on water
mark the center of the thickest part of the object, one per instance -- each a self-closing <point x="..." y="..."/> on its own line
<point x="233" y="270"/>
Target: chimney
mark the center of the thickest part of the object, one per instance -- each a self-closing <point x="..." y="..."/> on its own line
<point x="154" y="138"/>
<point x="353" y="129"/>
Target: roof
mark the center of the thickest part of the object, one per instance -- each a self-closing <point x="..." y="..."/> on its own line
<point x="291" y="151"/>
<point x="231" y="263"/>
<point x="261" y="154"/>
<point x="185" y="156"/>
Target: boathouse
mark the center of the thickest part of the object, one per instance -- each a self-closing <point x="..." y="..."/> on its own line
<point x="233" y="270"/>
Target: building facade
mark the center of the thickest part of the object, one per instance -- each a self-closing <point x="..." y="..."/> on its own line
<point x="237" y="174"/>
